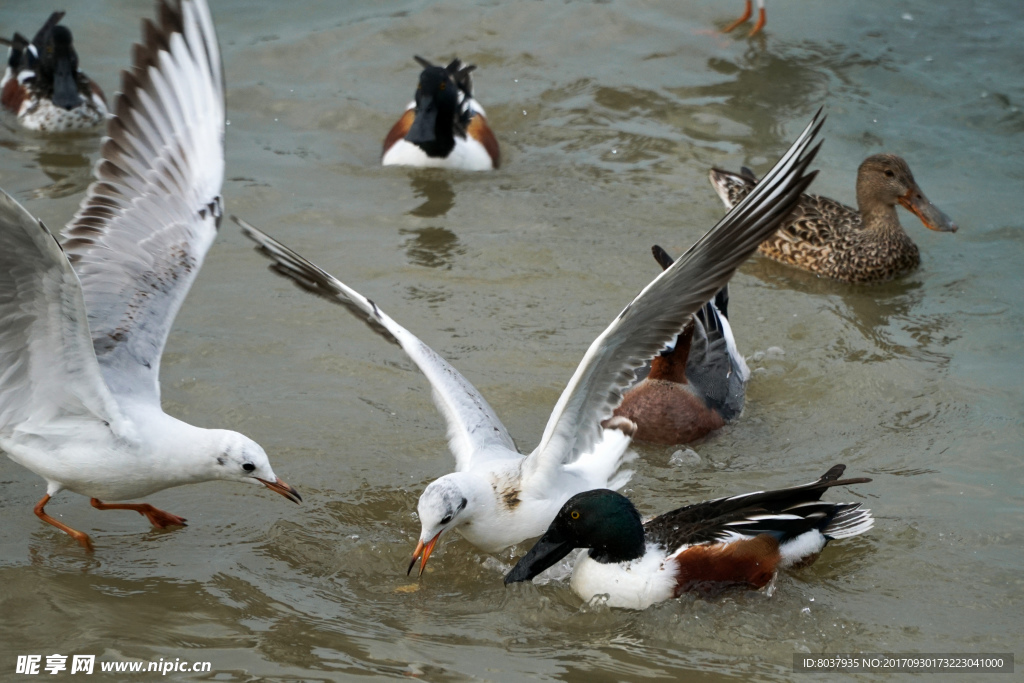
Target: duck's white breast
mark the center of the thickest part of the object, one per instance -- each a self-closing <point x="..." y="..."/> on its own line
<point x="468" y="155"/>
<point x="633" y="585"/>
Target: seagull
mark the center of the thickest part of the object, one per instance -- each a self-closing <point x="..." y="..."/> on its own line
<point x="742" y="540"/>
<point x="82" y="328"/>
<point x="497" y="498"/>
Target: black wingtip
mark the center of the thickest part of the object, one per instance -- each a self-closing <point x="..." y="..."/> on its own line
<point x="662" y="257"/>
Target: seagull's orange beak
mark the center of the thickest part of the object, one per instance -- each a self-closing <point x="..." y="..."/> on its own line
<point x="284" y="489"/>
<point x="424" y="550"/>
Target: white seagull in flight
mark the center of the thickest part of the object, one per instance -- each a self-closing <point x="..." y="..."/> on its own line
<point x="82" y="329"/>
<point x="497" y="497"/>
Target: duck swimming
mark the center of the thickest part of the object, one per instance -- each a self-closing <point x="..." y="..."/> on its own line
<point x="444" y="127"/>
<point x="43" y="85"/>
<point x="738" y="541"/>
<point x="694" y="387"/>
<point x="832" y="240"/>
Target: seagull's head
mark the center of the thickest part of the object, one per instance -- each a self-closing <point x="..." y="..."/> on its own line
<point x="442" y="507"/>
<point x="239" y="458"/>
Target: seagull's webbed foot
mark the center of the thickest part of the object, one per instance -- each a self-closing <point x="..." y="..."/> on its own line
<point x="156" y="517"/>
<point x="82" y="538"/>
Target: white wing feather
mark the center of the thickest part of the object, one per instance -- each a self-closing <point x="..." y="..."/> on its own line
<point x="473" y="428"/>
<point x="47" y="366"/>
<point x="654" y="318"/>
<point x="142" y="232"/>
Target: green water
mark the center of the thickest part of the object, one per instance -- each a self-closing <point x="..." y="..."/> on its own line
<point x="609" y="115"/>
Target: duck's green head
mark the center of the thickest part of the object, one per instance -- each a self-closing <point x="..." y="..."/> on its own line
<point x="602" y="520"/>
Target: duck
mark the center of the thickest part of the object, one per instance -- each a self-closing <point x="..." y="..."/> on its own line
<point x="85" y="322"/>
<point x="497" y="496"/>
<point x="444" y="127"/>
<point x="739" y="541"/>
<point x="695" y="386"/>
<point x="43" y="86"/>
<point x="835" y="241"/>
<point x="758" y="24"/>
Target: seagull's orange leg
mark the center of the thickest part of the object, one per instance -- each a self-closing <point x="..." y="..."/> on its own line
<point x="760" y="22"/>
<point x="82" y="538"/>
<point x="157" y="517"/>
<point x="746" y="15"/>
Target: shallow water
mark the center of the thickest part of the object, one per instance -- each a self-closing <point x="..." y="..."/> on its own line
<point x="609" y="116"/>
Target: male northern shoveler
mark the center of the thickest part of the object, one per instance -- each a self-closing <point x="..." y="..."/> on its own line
<point x="832" y="240"/>
<point x="84" y="324"/>
<point x="444" y="127"/>
<point x="758" y="25"/>
<point x="43" y="85"/>
<point x="694" y="387"/>
<point x="742" y="540"/>
<point x="497" y="497"/>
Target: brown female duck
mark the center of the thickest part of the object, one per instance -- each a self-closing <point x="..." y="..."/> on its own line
<point x="833" y="240"/>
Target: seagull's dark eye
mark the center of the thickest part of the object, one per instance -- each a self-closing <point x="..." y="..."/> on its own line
<point x="446" y="519"/>
<point x="890" y="174"/>
<point x="248" y="467"/>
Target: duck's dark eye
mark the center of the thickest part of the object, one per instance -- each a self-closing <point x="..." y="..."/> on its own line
<point x="248" y="467"/>
<point x="443" y="85"/>
<point x="890" y="174"/>
<point x="574" y="514"/>
<point x="446" y="519"/>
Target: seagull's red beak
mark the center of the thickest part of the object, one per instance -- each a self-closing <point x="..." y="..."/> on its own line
<point x="284" y="489"/>
<point x="424" y="550"/>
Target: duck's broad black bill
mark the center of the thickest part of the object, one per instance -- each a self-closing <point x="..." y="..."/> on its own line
<point x="547" y="551"/>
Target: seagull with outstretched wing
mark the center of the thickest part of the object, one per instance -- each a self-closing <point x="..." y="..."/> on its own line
<point x="497" y="497"/>
<point x="82" y="328"/>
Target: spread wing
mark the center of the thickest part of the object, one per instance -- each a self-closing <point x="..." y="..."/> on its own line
<point x="654" y="318"/>
<point x="473" y="428"/>
<point x="47" y="366"/>
<point x="140" y="235"/>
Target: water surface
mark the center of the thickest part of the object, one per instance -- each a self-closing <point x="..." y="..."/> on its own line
<point x="609" y="115"/>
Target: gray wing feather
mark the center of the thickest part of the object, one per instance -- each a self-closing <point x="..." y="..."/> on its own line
<point x="142" y="232"/>
<point x="47" y="366"/>
<point x="473" y="428"/>
<point x="654" y="318"/>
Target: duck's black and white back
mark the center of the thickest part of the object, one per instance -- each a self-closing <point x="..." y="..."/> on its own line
<point x="444" y="127"/>
<point x="43" y="86"/>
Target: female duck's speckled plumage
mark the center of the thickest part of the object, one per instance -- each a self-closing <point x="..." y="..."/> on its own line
<point x="833" y="240"/>
<point x="741" y="540"/>
<point x="43" y="86"/>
